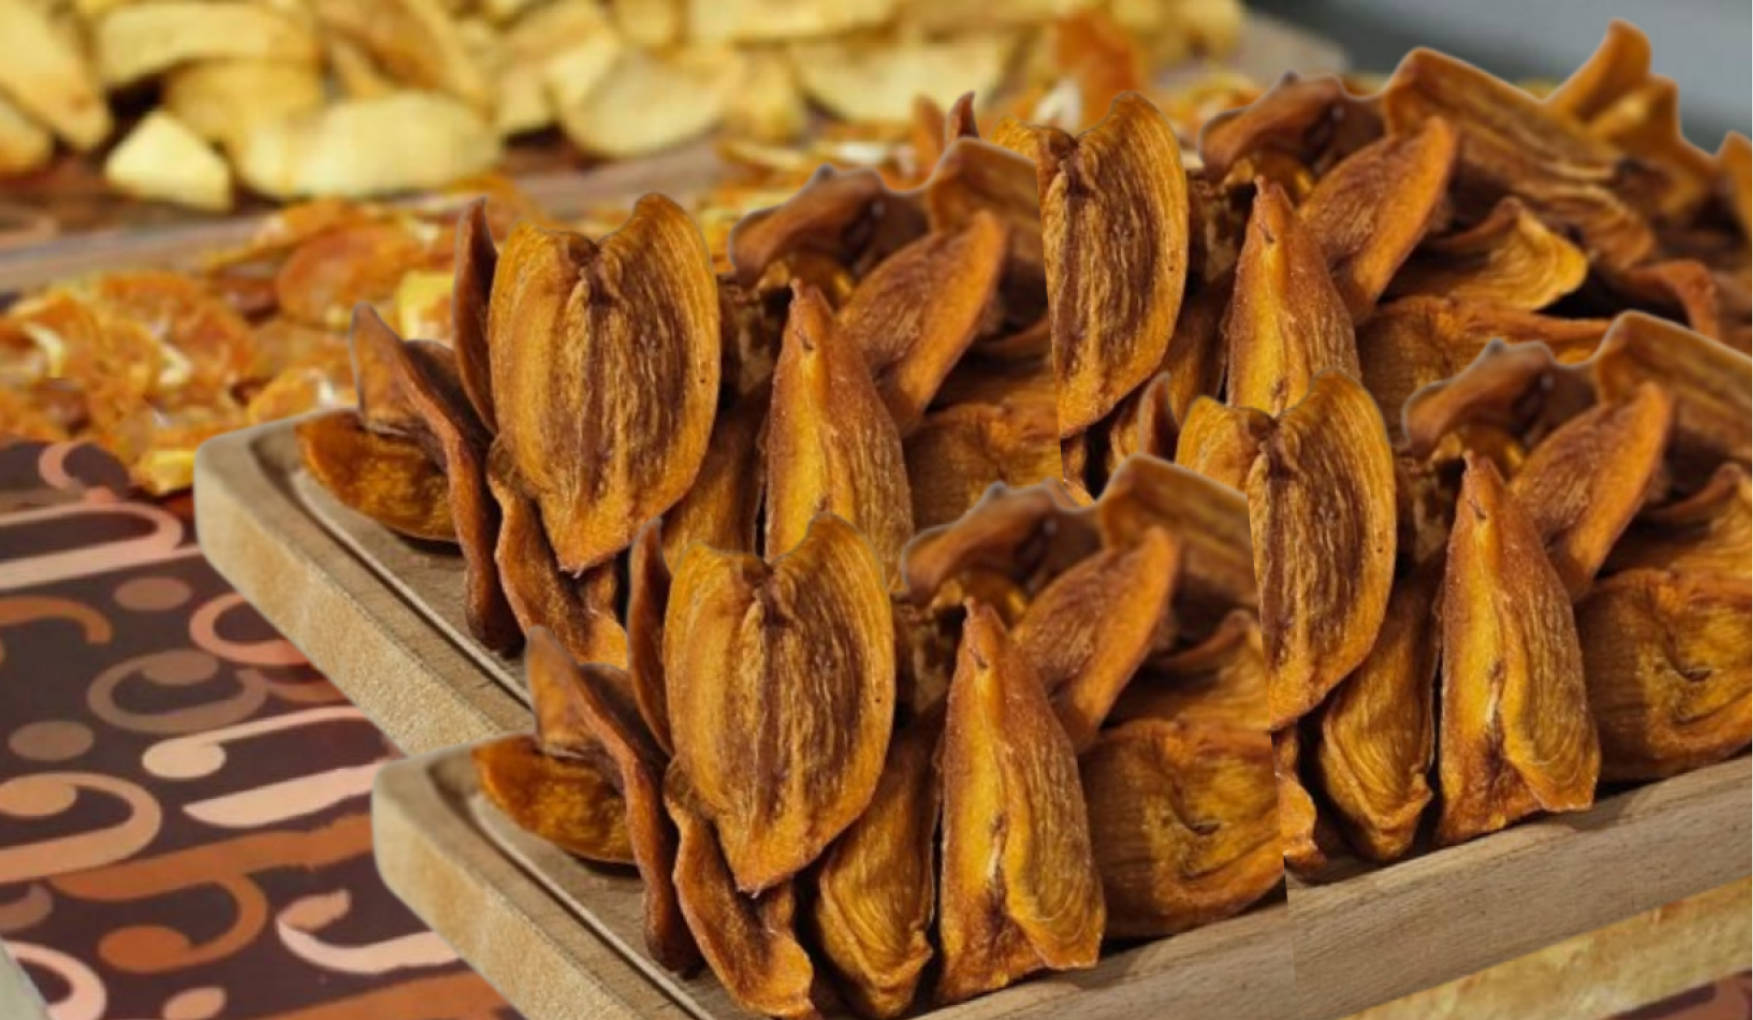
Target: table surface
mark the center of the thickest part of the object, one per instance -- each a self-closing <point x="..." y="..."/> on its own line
<point x="184" y="830"/>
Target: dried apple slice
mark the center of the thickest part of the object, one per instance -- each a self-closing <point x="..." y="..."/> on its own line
<point x="1087" y="633"/>
<point x="1220" y="441"/>
<point x="780" y="682"/>
<point x="568" y="802"/>
<point x="1516" y="735"/>
<point x="1324" y="481"/>
<point x="386" y="477"/>
<point x="1287" y="322"/>
<point x="876" y="888"/>
<point x="1378" y="730"/>
<point x="750" y="942"/>
<point x="1712" y="386"/>
<point x="1207" y="519"/>
<point x="1020" y="887"/>
<point x="1584" y="483"/>
<point x="1510" y="258"/>
<point x="921" y="308"/>
<point x="831" y="445"/>
<point x="476" y="262"/>
<point x="1184" y="820"/>
<point x="605" y="370"/>
<point x="1114" y="196"/>
<point x="1666" y="656"/>
<point x="1372" y="209"/>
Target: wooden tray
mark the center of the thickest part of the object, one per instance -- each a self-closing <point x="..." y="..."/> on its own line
<point x="561" y="940"/>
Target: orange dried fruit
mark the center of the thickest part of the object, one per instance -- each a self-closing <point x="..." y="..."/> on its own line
<point x="976" y="177"/>
<point x="648" y="599"/>
<point x="780" y="682"/>
<point x="1020" y="890"/>
<point x="876" y="887"/>
<point x="1220" y="441"/>
<point x="1735" y="178"/>
<point x="1707" y="533"/>
<point x="1287" y="321"/>
<point x="1510" y="258"/>
<point x="750" y="942"/>
<point x="1377" y="737"/>
<point x="1024" y="536"/>
<point x="844" y="215"/>
<point x="723" y="506"/>
<point x="1324" y="481"/>
<point x="1712" y="386"/>
<point x="605" y="371"/>
<point x="1114" y="196"/>
<point x="960" y="452"/>
<point x="1519" y="391"/>
<point x="325" y="277"/>
<point x="1221" y="681"/>
<point x="1371" y="210"/>
<point x="1087" y="633"/>
<point x="1197" y="356"/>
<point x="388" y="478"/>
<point x="477" y="260"/>
<point x="1299" y="119"/>
<point x="1666" y="655"/>
<point x="1184" y="821"/>
<point x="1515" y="735"/>
<point x="568" y="802"/>
<point x="831" y="445"/>
<point x="1584" y="483"/>
<point x="1304" y="832"/>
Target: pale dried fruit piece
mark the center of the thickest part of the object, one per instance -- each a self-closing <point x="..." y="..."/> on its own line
<point x="1208" y="520"/>
<point x="415" y="41"/>
<point x="136" y="41"/>
<point x="1516" y="734"/>
<point x="1287" y="322"/>
<point x="1220" y="441"/>
<point x="1511" y="143"/>
<point x="477" y="260"/>
<point x="1712" y="386"/>
<point x="223" y="100"/>
<point x="757" y="20"/>
<point x="605" y="371"/>
<point x="646" y="101"/>
<point x="722" y="507"/>
<point x="648" y="599"/>
<point x="1304" y="833"/>
<point x="1708" y="532"/>
<point x="831" y="445"/>
<point x="565" y="801"/>
<point x="750" y="942"/>
<point x="1025" y="536"/>
<point x="1378" y="730"/>
<point x="877" y="80"/>
<point x="1297" y="118"/>
<point x="579" y="611"/>
<point x="48" y="77"/>
<point x="1520" y="391"/>
<point x="780" y="682"/>
<point x="1666" y="656"/>
<point x="1020" y="888"/>
<point x="1584" y="483"/>
<point x="959" y="453"/>
<point x="1087" y="633"/>
<point x="916" y="313"/>
<point x="1372" y="209"/>
<point x="599" y="697"/>
<point x="162" y="160"/>
<point x="386" y="477"/>
<point x="26" y="145"/>
<point x="1413" y="342"/>
<point x="1184" y="820"/>
<point x="876" y="887"/>
<point x="1510" y="258"/>
<point x="1324" y="481"/>
<point x="1114" y="196"/>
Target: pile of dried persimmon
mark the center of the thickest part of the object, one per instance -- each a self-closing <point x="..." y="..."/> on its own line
<point x="904" y="641"/>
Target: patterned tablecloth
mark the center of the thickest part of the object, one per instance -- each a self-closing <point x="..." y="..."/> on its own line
<point x="184" y="830"/>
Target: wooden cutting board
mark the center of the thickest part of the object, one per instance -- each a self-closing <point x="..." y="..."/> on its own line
<point x="382" y="617"/>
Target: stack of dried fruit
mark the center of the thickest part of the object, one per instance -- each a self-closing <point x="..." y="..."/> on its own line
<point x="348" y="98"/>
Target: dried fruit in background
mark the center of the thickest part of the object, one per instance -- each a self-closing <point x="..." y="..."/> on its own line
<point x="1377" y="737"/>
<point x="916" y="313"/>
<point x="1666" y="656"/>
<point x="876" y="887"/>
<point x="388" y="478"/>
<point x="781" y="692"/>
<point x="1324" y="481"/>
<point x="568" y="802"/>
<point x="750" y="942"/>
<point x="1373" y="208"/>
<point x="1510" y="258"/>
<point x="1088" y="631"/>
<point x="1115" y="195"/>
<point x="1020" y="891"/>
<point x="831" y="445"/>
<point x="1585" y="482"/>
<point x="1516" y="735"/>
<point x="1712" y="386"/>
<point x="1286" y="322"/>
<point x="1184" y="821"/>
<point x="605" y="362"/>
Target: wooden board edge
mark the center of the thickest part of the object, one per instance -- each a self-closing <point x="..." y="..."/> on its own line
<point x="542" y="958"/>
<point x="317" y="593"/>
<point x="1383" y="935"/>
